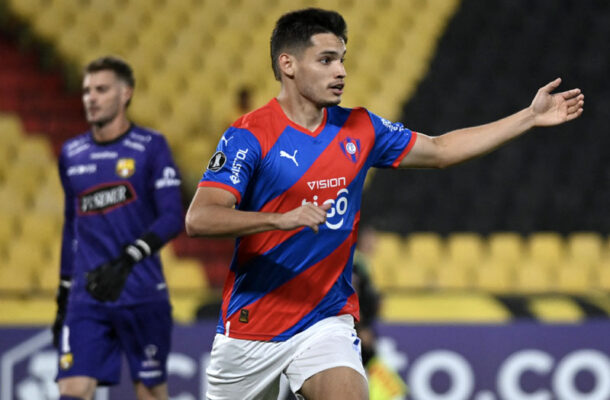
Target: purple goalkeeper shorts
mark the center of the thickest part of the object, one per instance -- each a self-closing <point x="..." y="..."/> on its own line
<point x="94" y="335"/>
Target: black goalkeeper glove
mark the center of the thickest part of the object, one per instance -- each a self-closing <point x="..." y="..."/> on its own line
<point x="106" y="282"/>
<point x="63" y="291"/>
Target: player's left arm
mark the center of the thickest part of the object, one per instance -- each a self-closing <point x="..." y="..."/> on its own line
<point x="456" y="146"/>
<point x="67" y="253"/>
<point x="106" y="282"/>
<point x="165" y="184"/>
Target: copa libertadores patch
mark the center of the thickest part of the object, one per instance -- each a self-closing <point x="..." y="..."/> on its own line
<point x="217" y="161"/>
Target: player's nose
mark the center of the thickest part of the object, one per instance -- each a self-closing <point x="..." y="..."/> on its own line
<point x="341" y="72"/>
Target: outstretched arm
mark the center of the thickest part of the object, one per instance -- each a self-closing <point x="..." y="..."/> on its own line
<point x="451" y="148"/>
<point x="212" y="213"/>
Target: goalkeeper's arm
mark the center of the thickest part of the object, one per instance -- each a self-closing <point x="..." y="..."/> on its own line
<point x="106" y="282"/>
<point x="63" y="291"/>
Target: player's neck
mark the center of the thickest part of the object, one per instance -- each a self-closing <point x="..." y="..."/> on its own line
<point x="301" y="111"/>
<point x="110" y="130"/>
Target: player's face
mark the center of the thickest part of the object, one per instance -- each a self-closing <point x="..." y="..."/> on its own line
<point x="319" y="71"/>
<point x="104" y="96"/>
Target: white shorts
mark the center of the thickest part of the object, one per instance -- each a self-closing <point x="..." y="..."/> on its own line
<point x="249" y="369"/>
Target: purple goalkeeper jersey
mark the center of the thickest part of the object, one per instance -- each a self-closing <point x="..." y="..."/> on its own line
<point x="115" y="192"/>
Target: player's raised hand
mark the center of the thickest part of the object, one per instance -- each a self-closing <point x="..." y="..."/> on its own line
<point x="305" y="215"/>
<point x="556" y="108"/>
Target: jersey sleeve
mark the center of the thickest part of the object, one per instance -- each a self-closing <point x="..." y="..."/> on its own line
<point x="392" y="142"/>
<point x="165" y="184"/>
<point x="68" y="242"/>
<point x="236" y="158"/>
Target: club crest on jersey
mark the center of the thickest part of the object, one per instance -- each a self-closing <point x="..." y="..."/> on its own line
<point x="125" y="167"/>
<point x="66" y="361"/>
<point x="351" y="148"/>
<point x="217" y="161"/>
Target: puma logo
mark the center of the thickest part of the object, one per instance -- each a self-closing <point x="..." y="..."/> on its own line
<point x="291" y="157"/>
<point x="225" y="140"/>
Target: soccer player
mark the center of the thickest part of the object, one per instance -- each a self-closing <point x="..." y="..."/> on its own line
<point x="286" y="181"/>
<point x="122" y="204"/>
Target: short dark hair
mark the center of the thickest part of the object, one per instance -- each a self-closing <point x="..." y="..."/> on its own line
<point x="120" y="67"/>
<point x="294" y="30"/>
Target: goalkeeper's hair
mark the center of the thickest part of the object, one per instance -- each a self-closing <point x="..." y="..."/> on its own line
<point x="116" y="64"/>
<point x="293" y="31"/>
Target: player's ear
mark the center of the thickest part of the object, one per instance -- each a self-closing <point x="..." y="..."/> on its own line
<point x="286" y="62"/>
<point x="126" y="94"/>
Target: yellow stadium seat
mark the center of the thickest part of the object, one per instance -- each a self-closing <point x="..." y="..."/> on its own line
<point x="8" y="226"/>
<point x="15" y="280"/>
<point x="10" y="137"/>
<point x="388" y="259"/>
<point x="185" y="275"/>
<point x="26" y="256"/>
<point x="27" y="8"/>
<point x="40" y="311"/>
<point x="11" y="310"/>
<point x="167" y="256"/>
<point x="23" y="180"/>
<point x="546" y="248"/>
<point x="195" y="157"/>
<point x="556" y="310"/>
<point x="388" y="246"/>
<point x="35" y="149"/>
<point x="443" y="308"/>
<point x="506" y="247"/>
<point x="574" y="278"/>
<point x="603" y="278"/>
<point x="193" y="117"/>
<point x="453" y="275"/>
<point x="585" y="248"/>
<point x="413" y="277"/>
<point x="13" y="201"/>
<point x="533" y="278"/>
<point x="73" y="40"/>
<point x="425" y="249"/>
<point x="49" y="199"/>
<point x="115" y="41"/>
<point x="384" y="274"/>
<point x="133" y="17"/>
<point x="39" y="228"/>
<point x="149" y="110"/>
<point x="494" y="277"/>
<point x="28" y="311"/>
<point x="184" y="307"/>
<point x="465" y="249"/>
<point x="165" y="88"/>
<point x="50" y="21"/>
<point x="47" y="278"/>
<point x="11" y="128"/>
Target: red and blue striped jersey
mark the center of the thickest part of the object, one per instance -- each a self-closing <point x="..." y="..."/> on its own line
<point x="282" y="282"/>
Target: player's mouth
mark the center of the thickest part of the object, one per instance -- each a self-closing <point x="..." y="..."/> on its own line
<point x="337" y="88"/>
<point x="92" y="110"/>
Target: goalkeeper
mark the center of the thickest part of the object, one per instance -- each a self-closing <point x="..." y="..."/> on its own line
<point x="122" y="204"/>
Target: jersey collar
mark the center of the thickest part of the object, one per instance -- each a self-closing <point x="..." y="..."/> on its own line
<point x="115" y="140"/>
<point x="276" y="105"/>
